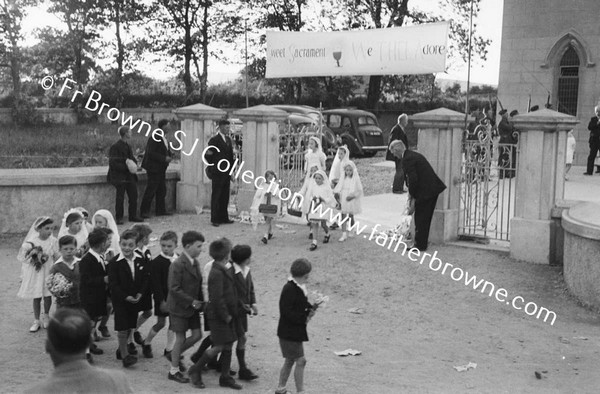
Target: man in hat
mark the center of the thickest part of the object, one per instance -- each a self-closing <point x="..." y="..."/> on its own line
<point x="424" y="187"/>
<point x="221" y="149"/>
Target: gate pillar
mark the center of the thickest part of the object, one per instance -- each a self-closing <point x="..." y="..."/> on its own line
<point x="198" y="124"/>
<point x="260" y="149"/>
<point x="540" y="183"/>
<point x="440" y="141"/>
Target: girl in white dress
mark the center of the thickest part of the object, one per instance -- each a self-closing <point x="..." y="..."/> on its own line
<point x="37" y="254"/>
<point x="350" y="191"/>
<point x="72" y="224"/>
<point x="337" y="167"/>
<point x="303" y="191"/>
<point x="319" y="192"/>
<point x="314" y="156"/>
<point x="571" y="144"/>
<point x="104" y="219"/>
<point x="266" y="194"/>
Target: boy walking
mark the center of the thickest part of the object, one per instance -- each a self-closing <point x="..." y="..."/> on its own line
<point x="294" y="313"/>
<point x="221" y="312"/>
<point x="185" y="300"/>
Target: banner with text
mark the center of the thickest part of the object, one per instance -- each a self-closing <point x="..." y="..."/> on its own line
<point x="419" y="49"/>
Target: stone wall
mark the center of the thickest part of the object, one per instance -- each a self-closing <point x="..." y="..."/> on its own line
<point x="530" y="29"/>
<point x="28" y="193"/>
<point x="69" y="115"/>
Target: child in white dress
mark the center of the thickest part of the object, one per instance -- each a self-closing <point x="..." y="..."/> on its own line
<point x="319" y="192"/>
<point x="314" y="156"/>
<point x="337" y="167"/>
<point x="571" y="144"/>
<point x="72" y="224"/>
<point x="303" y="191"/>
<point x="37" y="254"/>
<point x="266" y="194"/>
<point x="350" y="191"/>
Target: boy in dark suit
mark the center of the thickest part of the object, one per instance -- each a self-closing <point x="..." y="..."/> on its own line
<point x="185" y="300"/>
<point x="159" y="278"/>
<point x="221" y="312"/>
<point x="221" y="149"/>
<point x="127" y="283"/>
<point x="241" y="256"/>
<point x="156" y="160"/>
<point x="120" y="177"/>
<point x="424" y="187"/>
<point x="94" y="280"/>
<point x="294" y="313"/>
<point x="145" y="305"/>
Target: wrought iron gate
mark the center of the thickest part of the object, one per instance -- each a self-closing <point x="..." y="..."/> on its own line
<point x="488" y="182"/>
<point x="293" y="143"/>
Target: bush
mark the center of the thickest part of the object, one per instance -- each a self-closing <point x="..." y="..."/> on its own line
<point x="25" y="114"/>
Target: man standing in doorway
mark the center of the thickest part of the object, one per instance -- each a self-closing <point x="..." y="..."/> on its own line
<point x="222" y="150"/>
<point x="424" y="187"/>
<point x="594" y="128"/>
<point x="156" y="160"/>
<point x="121" y="174"/>
<point x="398" y="133"/>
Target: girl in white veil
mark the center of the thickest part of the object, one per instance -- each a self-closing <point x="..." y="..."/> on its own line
<point x="73" y="224"/>
<point x="319" y="193"/>
<point x="350" y="191"/>
<point x="337" y="167"/>
<point x="314" y="156"/>
<point x="104" y="219"/>
<point x="37" y="254"/>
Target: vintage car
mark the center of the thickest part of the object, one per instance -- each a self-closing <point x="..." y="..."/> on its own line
<point x="357" y="129"/>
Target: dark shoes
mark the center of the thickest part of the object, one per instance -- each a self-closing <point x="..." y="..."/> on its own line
<point x="229" y="382"/>
<point x="132" y="349"/>
<point x="270" y="235"/>
<point x="264" y="240"/>
<point x="312" y="247"/>
<point x="129" y="360"/>
<point x="246" y="374"/>
<point x="178" y="377"/>
<point x="215" y="224"/>
<point x="104" y="331"/>
<point x="587" y="173"/>
<point x="137" y="337"/>
<point x="95" y="349"/>
<point x="147" y="351"/>
<point x="136" y="220"/>
<point x="326" y="238"/>
<point x="228" y="221"/>
<point x="310" y="236"/>
<point x="196" y="376"/>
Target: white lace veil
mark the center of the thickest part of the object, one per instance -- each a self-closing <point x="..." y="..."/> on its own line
<point x="32" y="234"/>
<point x="64" y="230"/>
<point x="337" y="167"/>
<point x="111" y="224"/>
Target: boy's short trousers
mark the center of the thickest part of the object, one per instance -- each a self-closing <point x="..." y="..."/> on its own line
<point x="182" y="324"/>
<point x="291" y="349"/>
<point x="125" y="318"/>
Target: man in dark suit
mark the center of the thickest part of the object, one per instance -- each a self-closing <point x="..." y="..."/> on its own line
<point x="185" y="300"/>
<point x="594" y="128"/>
<point x="69" y="334"/>
<point x="221" y="149"/>
<point x="424" y="187"/>
<point x="397" y="133"/>
<point x="120" y="176"/>
<point x="156" y="160"/>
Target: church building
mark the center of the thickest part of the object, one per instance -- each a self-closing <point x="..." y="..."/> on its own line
<point x="549" y="55"/>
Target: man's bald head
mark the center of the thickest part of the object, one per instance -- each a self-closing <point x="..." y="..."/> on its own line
<point x="69" y="332"/>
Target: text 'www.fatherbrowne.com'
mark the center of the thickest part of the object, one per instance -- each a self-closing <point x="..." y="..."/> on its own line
<point x="394" y="242"/>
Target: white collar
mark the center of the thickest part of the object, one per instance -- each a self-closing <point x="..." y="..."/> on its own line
<point x="303" y="286"/>
<point x="186" y="254"/>
<point x="244" y="270"/>
<point x="70" y="266"/>
<point x="170" y="258"/>
<point x="96" y="255"/>
<point x="120" y="256"/>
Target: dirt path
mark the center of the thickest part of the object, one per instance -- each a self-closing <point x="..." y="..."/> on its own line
<point x="417" y="324"/>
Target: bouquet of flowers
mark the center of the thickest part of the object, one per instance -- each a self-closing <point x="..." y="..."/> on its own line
<point x="320" y="299"/>
<point x="36" y="256"/>
<point x="58" y="285"/>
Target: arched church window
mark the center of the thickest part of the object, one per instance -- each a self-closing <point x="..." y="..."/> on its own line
<point x="568" y="82"/>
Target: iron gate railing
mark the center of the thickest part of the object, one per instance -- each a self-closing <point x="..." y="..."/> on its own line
<point x="293" y="143"/>
<point x="488" y="182"/>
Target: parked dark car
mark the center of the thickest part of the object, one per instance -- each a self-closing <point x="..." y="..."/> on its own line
<point x="357" y="129"/>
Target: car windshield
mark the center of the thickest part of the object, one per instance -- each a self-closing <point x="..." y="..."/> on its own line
<point x="366" y="120"/>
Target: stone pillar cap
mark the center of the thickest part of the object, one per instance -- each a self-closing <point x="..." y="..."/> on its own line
<point x="583" y="219"/>
<point x="544" y="120"/>
<point x="261" y="113"/>
<point x="199" y="111"/>
<point x="439" y="118"/>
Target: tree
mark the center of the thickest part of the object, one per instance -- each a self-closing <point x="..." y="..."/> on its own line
<point x="81" y="17"/>
<point x="12" y="13"/>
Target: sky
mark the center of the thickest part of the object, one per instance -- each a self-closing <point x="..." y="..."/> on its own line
<point x="489" y="25"/>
